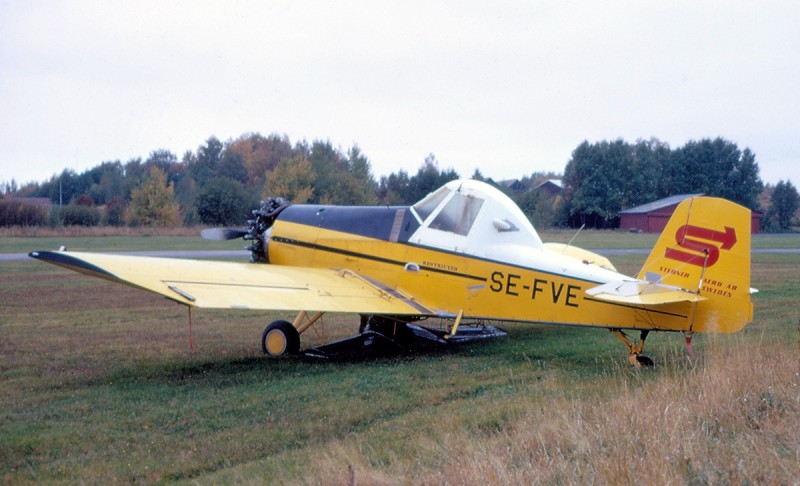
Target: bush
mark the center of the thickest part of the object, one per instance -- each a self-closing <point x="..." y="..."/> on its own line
<point x="79" y="215"/>
<point x="15" y="213"/>
<point x="115" y="212"/>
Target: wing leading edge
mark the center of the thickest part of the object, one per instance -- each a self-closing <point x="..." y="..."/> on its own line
<point x="223" y="285"/>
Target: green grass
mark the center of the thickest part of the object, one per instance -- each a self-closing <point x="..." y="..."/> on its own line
<point x="97" y="385"/>
<point x="590" y="239"/>
<point x="115" y="243"/>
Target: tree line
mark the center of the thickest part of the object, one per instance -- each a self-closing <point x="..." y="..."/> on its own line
<point x="219" y="183"/>
<point x="603" y="178"/>
<point x="216" y="185"/>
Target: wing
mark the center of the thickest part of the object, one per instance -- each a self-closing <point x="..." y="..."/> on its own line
<point x="212" y="284"/>
<point x="640" y="292"/>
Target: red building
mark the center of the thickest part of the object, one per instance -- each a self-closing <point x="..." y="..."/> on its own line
<point x="652" y="217"/>
<point x="551" y="186"/>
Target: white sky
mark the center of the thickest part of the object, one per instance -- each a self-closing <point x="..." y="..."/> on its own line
<point x="508" y="87"/>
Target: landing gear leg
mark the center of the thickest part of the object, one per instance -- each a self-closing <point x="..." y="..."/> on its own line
<point x="635" y="355"/>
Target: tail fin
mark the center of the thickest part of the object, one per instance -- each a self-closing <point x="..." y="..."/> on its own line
<point x="705" y="248"/>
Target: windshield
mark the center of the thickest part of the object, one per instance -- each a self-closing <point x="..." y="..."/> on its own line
<point x="458" y="215"/>
<point x="425" y="207"/>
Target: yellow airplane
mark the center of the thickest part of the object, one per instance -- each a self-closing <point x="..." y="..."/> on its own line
<point x="465" y="253"/>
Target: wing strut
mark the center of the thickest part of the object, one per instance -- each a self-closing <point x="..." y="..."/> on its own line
<point x="455" y="324"/>
<point x="191" y="346"/>
<point x="302" y="322"/>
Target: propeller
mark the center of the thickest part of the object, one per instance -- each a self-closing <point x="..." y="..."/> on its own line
<point x="258" y="231"/>
<point x="222" y="234"/>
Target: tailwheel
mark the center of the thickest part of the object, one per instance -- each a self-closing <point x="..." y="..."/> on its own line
<point x="635" y="356"/>
<point x="280" y="338"/>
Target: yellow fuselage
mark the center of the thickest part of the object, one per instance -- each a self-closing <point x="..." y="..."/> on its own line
<point x="450" y="282"/>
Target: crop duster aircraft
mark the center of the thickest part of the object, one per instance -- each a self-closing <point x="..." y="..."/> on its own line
<point x="465" y="253"/>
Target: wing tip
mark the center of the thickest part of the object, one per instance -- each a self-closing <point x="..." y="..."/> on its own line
<point x="64" y="259"/>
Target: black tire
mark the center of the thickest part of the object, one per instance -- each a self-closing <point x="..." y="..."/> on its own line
<point x="645" y="361"/>
<point x="280" y="338"/>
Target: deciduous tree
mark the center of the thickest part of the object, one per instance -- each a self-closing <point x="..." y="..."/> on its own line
<point x="223" y="201"/>
<point x="355" y="184"/>
<point x="152" y="203"/>
<point x="784" y="204"/>
<point x="232" y="167"/>
<point x="261" y="154"/>
<point x="293" y="179"/>
<point x="206" y="164"/>
<point x="715" y="168"/>
<point x="428" y="178"/>
<point x="395" y="188"/>
<point x="595" y="180"/>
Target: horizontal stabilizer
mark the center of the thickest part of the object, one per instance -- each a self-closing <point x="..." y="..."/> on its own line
<point x="640" y="292"/>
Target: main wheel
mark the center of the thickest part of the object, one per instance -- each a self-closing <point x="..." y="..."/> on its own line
<point x="644" y="361"/>
<point x="280" y="338"/>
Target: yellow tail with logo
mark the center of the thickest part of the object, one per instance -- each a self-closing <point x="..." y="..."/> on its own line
<point x="705" y="249"/>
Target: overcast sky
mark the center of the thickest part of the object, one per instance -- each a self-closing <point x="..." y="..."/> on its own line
<point x="505" y="87"/>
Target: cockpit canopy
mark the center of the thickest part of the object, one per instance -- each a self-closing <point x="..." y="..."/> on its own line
<point x="472" y="217"/>
<point x="457" y="213"/>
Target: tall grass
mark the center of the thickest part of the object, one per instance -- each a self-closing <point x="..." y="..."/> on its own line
<point x="732" y="418"/>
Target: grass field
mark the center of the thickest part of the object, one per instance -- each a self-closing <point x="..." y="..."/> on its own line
<point x="115" y="239"/>
<point x="99" y="386"/>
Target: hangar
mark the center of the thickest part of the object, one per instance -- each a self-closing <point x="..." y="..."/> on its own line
<point x="652" y="217"/>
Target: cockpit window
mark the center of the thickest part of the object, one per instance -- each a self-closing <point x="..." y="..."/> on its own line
<point x="425" y="207"/>
<point x="458" y="215"/>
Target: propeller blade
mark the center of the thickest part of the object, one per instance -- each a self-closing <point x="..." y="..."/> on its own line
<point x="221" y="234"/>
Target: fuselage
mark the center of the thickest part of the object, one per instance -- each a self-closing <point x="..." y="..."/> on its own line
<point x="492" y="275"/>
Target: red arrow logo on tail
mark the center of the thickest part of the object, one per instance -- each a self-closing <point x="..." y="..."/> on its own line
<point x="705" y="253"/>
<point x="727" y="238"/>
